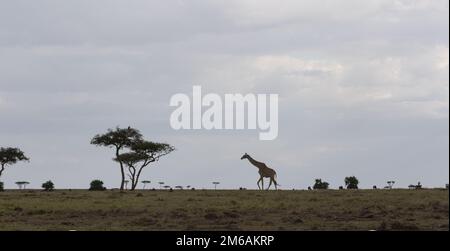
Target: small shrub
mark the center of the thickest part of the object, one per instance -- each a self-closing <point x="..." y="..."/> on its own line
<point x="48" y="186"/>
<point x="97" y="185"/>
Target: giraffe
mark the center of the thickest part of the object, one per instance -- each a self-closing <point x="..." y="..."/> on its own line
<point x="264" y="172"/>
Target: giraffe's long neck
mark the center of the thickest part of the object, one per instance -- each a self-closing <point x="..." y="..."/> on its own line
<point x="254" y="162"/>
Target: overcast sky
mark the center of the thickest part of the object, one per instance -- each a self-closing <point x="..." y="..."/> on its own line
<point x="363" y="85"/>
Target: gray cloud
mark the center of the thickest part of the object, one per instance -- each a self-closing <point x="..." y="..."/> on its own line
<point x="363" y="87"/>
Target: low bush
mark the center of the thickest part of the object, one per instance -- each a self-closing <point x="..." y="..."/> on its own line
<point x="97" y="185"/>
<point x="48" y="186"/>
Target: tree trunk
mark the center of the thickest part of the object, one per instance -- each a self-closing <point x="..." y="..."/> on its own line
<point x="139" y="174"/>
<point x="121" y="169"/>
<point x="2" y="169"/>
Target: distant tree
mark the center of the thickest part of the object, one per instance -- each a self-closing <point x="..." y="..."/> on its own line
<point x="341" y="187"/>
<point x="390" y="183"/>
<point x="118" y="139"/>
<point x="22" y="184"/>
<point x="374" y="187"/>
<point x="97" y="185"/>
<point x="167" y="187"/>
<point x="215" y="184"/>
<point x="319" y="184"/>
<point x="179" y="187"/>
<point x="160" y="184"/>
<point x="418" y="186"/>
<point x="48" y="186"/>
<point x="141" y="155"/>
<point x="145" y="182"/>
<point x="351" y="182"/>
<point x="1" y="187"/>
<point x="10" y="156"/>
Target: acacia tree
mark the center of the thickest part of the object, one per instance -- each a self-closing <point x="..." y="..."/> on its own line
<point x="391" y="183"/>
<point x="48" y="186"/>
<point x="141" y="155"/>
<point x="351" y="182"/>
<point x="22" y="184"/>
<point x="118" y="139"/>
<point x="145" y="182"/>
<point x="319" y="184"/>
<point x="10" y="156"/>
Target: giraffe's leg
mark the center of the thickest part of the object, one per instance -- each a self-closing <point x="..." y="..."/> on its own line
<point x="270" y="183"/>
<point x="276" y="184"/>
<point x="260" y="179"/>
<point x="262" y="183"/>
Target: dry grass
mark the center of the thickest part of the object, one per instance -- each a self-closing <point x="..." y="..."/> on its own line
<point x="225" y="210"/>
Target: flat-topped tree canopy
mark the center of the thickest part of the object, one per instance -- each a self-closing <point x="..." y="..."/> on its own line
<point x="10" y="156"/>
<point x="153" y="150"/>
<point x="145" y="151"/>
<point x="22" y="182"/>
<point x="119" y="137"/>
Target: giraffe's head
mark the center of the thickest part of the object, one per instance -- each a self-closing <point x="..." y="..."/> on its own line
<point x="245" y="156"/>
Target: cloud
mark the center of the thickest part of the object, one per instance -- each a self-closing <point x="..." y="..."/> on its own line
<point x="363" y="86"/>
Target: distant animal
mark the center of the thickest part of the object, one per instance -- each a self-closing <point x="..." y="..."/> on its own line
<point x="264" y="172"/>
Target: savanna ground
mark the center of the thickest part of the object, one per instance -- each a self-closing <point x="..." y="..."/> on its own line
<point x="225" y="210"/>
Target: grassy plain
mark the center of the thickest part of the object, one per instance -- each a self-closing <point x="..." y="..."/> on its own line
<point x="225" y="210"/>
